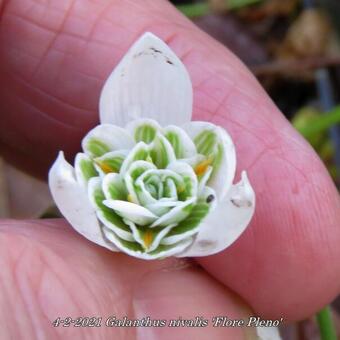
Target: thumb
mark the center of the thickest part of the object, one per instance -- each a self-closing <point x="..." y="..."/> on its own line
<point x="48" y="272"/>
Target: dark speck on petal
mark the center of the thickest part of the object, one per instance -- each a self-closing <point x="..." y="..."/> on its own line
<point x="210" y="198"/>
<point x="155" y="50"/>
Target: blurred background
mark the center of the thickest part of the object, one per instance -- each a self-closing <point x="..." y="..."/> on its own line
<point x="293" y="48"/>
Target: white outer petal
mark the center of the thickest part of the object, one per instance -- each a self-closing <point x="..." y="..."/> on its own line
<point x="227" y="222"/>
<point x="72" y="201"/>
<point x="149" y="82"/>
<point x="224" y="178"/>
<point x="268" y="333"/>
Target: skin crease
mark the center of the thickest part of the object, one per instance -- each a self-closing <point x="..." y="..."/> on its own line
<point x="54" y="58"/>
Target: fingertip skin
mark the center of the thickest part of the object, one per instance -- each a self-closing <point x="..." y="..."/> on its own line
<point x="286" y="263"/>
<point x="173" y="295"/>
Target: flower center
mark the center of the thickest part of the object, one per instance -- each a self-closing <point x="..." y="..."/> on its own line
<point x="159" y="186"/>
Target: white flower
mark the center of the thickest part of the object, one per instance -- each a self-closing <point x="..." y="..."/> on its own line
<point x="150" y="182"/>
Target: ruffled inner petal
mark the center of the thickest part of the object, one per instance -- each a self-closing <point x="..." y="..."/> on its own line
<point x="218" y="150"/>
<point x="114" y="187"/>
<point x="84" y="168"/>
<point x="105" y="138"/>
<point x="175" y="215"/>
<point x="143" y="130"/>
<point x="107" y="216"/>
<point x="227" y="222"/>
<point x="111" y="161"/>
<point x="153" y="188"/>
<point x="180" y="142"/>
<point x="162" y="152"/>
<point x="136" y="250"/>
<point x="131" y="212"/>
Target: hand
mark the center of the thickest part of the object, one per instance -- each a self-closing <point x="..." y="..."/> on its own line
<point x="55" y="57"/>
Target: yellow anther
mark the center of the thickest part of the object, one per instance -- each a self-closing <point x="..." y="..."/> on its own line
<point x="148" y="238"/>
<point x="201" y="168"/>
<point x="181" y="189"/>
<point x="130" y="198"/>
<point x="105" y="167"/>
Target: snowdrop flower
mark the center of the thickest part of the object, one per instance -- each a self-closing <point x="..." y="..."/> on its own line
<point x="150" y="182"/>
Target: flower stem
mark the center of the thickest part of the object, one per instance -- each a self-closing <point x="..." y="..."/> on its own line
<point x="326" y="326"/>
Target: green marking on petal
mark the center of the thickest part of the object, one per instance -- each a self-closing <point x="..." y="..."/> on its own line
<point x="148" y="238"/>
<point x="111" y="165"/>
<point x="148" y="235"/>
<point x="141" y="155"/>
<point x="135" y="249"/>
<point x="140" y="152"/>
<point x="143" y="130"/>
<point x="181" y="143"/>
<point x="175" y="141"/>
<point x="199" y="211"/>
<point x="156" y="184"/>
<point x="176" y="214"/>
<point x="131" y="212"/>
<point x="203" y="179"/>
<point x="115" y="219"/>
<point x="96" y="148"/>
<point x="187" y="190"/>
<point x="130" y="245"/>
<point x="113" y="187"/>
<point x="217" y="160"/>
<point x="162" y="152"/>
<point x="88" y="169"/>
<point x="152" y="189"/>
<point x="170" y="189"/>
<point x="205" y="142"/>
<point x="111" y="161"/>
<point x="145" y="133"/>
<point x="189" y="185"/>
<point x="136" y="169"/>
<point x="84" y="168"/>
<point x="98" y="197"/>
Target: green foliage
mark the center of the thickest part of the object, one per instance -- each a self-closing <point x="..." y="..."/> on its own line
<point x="194" y="10"/>
<point x="326" y="326"/>
<point x="320" y="123"/>
<point x="202" y="8"/>
<point x="314" y="125"/>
